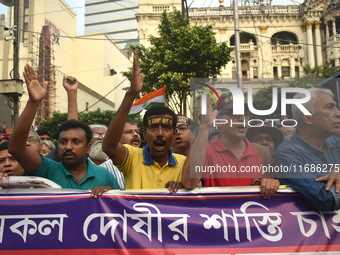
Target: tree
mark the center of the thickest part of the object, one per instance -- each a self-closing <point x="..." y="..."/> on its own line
<point x="179" y="53"/>
<point x="324" y="71"/>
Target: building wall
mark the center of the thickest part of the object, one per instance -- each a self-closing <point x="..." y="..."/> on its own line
<point x="114" y="18"/>
<point x="87" y="59"/>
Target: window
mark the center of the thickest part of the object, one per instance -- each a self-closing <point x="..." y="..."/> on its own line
<point x="255" y="73"/>
<point x="297" y="73"/>
<point x="27" y="4"/>
<point x="285" y="71"/>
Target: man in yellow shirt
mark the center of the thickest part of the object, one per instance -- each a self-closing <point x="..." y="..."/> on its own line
<point x="154" y="166"/>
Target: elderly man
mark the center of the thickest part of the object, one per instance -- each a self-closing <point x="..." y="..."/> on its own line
<point x="153" y="166"/>
<point x="231" y="149"/>
<point x="265" y="135"/>
<point x="314" y="151"/>
<point x="99" y="158"/>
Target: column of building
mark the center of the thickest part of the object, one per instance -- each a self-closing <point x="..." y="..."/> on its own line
<point x="318" y="43"/>
<point x="310" y="48"/>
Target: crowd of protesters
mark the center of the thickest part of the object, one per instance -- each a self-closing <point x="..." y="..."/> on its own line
<point x="101" y="158"/>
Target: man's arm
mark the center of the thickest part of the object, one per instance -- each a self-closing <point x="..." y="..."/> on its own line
<point x="111" y="146"/>
<point x="29" y="159"/>
<point x="304" y="182"/>
<point x="71" y="86"/>
<point x="190" y="178"/>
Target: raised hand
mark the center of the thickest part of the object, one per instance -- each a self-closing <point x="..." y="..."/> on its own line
<point x="70" y="83"/>
<point x="137" y="77"/>
<point x="36" y="92"/>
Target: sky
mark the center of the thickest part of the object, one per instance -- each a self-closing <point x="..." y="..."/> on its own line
<point x="78" y="6"/>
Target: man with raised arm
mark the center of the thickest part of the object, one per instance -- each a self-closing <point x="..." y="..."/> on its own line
<point x="230" y="150"/>
<point x="74" y="171"/>
<point x="154" y="166"/>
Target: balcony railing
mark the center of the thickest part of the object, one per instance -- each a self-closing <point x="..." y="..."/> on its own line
<point x="228" y="11"/>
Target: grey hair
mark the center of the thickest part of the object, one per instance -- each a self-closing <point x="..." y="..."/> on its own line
<point x="92" y="126"/>
<point x="308" y="105"/>
<point x="36" y="134"/>
<point x="49" y="144"/>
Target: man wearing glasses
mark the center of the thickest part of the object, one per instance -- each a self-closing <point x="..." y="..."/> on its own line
<point x="184" y="134"/>
<point x="154" y="165"/>
<point x="230" y="154"/>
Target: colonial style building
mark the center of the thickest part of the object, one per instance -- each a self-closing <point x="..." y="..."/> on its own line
<point x="276" y="41"/>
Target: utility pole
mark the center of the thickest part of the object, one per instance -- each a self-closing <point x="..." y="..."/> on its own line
<point x="185" y="9"/>
<point x="237" y="47"/>
<point x="16" y="44"/>
<point x="12" y="89"/>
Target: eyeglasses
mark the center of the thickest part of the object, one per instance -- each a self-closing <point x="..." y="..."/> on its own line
<point x="182" y="127"/>
<point x="31" y="140"/>
<point x="97" y="135"/>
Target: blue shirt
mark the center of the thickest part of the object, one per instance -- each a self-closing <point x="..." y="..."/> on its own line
<point x="95" y="176"/>
<point x="306" y="163"/>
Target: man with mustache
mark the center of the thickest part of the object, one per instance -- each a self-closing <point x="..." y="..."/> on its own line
<point x="312" y="154"/>
<point x="185" y="133"/>
<point x="74" y="171"/>
<point x="131" y="134"/>
<point x="99" y="158"/>
<point x="154" y="165"/>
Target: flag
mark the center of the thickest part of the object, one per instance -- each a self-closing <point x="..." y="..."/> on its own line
<point x="149" y="100"/>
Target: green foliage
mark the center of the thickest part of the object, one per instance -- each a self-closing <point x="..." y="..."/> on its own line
<point x="52" y="124"/>
<point x="324" y="71"/>
<point x="178" y="53"/>
<point x="95" y="117"/>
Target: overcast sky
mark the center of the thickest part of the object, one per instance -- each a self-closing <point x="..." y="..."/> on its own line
<point x="78" y="6"/>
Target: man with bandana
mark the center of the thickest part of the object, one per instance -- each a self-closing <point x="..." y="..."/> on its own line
<point x="154" y="166"/>
<point x="185" y="133"/>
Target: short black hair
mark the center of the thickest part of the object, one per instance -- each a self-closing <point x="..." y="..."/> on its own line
<point x="4" y="146"/>
<point x="159" y="110"/>
<point x="69" y="124"/>
<point x="132" y="122"/>
<point x="42" y="131"/>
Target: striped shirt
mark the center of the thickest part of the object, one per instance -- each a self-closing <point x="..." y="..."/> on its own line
<point x="108" y="164"/>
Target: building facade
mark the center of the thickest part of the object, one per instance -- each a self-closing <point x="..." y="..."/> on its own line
<point x="48" y="42"/>
<point x="276" y="41"/>
<point x="117" y="19"/>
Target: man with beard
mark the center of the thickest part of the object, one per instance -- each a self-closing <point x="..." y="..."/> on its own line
<point x="99" y="158"/>
<point x="154" y="165"/>
<point x="231" y="151"/>
<point x="181" y="143"/>
<point x="313" y="151"/>
<point x="74" y="171"/>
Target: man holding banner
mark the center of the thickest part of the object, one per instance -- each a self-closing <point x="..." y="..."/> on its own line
<point x="154" y="166"/>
